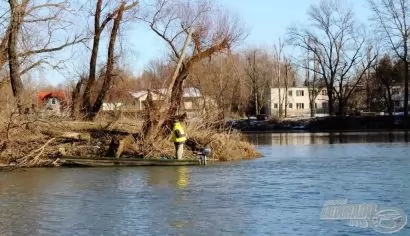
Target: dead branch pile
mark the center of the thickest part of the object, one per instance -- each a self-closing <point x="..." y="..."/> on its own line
<point x="28" y="141"/>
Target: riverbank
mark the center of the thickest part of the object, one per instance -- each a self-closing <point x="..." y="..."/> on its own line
<point x="321" y="124"/>
<point x="32" y="142"/>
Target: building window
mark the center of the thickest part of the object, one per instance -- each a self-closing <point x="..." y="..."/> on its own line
<point x="300" y="106"/>
<point x="290" y="93"/>
<point x="290" y="105"/>
<point x="275" y="106"/>
<point x="324" y="105"/>
<point x="395" y="91"/>
<point x="315" y="105"/>
<point x="324" y="92"/>
<point x="300" y="93"/>
<point x="188" y="105"/>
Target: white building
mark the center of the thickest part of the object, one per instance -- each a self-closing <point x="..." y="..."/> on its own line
<point x="296" y="100"/>
<point x="192" y="98"/>
<point x="398" y="97"/>
<point x="111" y="106"/>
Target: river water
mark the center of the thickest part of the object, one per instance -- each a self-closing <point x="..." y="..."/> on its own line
<point x="282" y="193"/>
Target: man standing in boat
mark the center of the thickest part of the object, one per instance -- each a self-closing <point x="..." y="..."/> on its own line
<point x="178" y="137"/>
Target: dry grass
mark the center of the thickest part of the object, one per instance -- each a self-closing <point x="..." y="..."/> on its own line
<point x="20" y="139"/>
<point x="226" y="145"/>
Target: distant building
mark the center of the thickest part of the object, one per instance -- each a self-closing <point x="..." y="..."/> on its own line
<point x="112" y="106"/>
<point x="192" y="99"/>
<point x="398" y="97"/>
<point x="54" y="101"/>
<point x="296" y="100"/>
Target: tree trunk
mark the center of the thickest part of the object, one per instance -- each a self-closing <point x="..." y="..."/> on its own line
<point x="177" y="92"/>
<point x="390" y="102"/>
<point x="77" y="98"/>
<point x="286" y="101"/>
<point x="256" y="102"/>
<point x="86" y="101"/>
<point x="91" y="78"/>
<point x="110" y="65"/>
<point x="341" y="107"/>
<point x="4" y="47"/>
<point x="330" y="101"/>
<point x="406" y="88"/>
<point x="150" y="116"/>
<point x="221" y="99"/>
<point x="14" y="64"/>
<point x="312" y="108"/>
<point x="280" y="98"/>
<point x="286" y="89"/>
<point x="312" y="98"/>
<point x="368" y="98"/>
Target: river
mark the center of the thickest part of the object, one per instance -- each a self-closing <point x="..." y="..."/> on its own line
<point x="282" y="193"/>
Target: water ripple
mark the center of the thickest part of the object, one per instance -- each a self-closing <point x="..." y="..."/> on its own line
<point x="280" y="194"/>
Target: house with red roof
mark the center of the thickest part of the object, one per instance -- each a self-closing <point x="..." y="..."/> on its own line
<point x="53" y="101"/>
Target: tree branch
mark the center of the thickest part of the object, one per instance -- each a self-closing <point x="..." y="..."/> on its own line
<point x="76" y="40"/>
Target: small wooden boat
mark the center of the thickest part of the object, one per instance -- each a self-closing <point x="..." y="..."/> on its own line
<point x="109" y="162"/>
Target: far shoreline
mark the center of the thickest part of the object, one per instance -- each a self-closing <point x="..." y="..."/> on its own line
<point x="330" y="124"/>
<point x="326" y="131"/>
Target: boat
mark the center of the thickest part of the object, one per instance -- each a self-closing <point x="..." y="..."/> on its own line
<point x="69" y="161"/>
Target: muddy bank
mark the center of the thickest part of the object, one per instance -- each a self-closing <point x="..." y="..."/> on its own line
<point x="322" y="124"/>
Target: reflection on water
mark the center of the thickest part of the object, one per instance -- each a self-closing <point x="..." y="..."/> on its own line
<point x="169" y="177"/>
<point x="326" y="138"/>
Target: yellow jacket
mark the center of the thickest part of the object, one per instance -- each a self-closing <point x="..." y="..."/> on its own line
<point x="178" y="133"/>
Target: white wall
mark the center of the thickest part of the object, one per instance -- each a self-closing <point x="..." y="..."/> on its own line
<point x="297" y="101"/>
<point x="398" y="96"/>
<point x="111" y="106"/>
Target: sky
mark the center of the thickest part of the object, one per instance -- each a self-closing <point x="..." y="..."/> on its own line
<point x="265" y="21"/>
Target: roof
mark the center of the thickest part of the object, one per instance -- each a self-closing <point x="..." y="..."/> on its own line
<point x="192" y="93"/>
<point x="156" y="94"/>
<point x="47" y="94"/>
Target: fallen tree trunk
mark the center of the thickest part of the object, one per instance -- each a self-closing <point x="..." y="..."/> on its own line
<point x="119" y="146"/>
<point x="68" y="135"/>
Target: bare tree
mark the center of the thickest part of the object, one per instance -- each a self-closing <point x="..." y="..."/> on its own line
<point x="110" y="61"/>
<point x="339" y="47"/>
<point x="240" y="92"/>
<point x="393" y="20"/>
<point x="213" y="32"/>
<point x="312" y="80"/>
<point x="224" y="74"/>
<point x="223" y="82"/>
<point x="88" y="108"/>
<point x="288" y="81"/>
<point x="24" y="43"/>
<point x="14" y="65"/>
<point x="254" y="75"/>
<point x="278" y="54"/>
<point x="261" y="69"/>
<point x="348" y="81"/>
<point x="384" y="75"/>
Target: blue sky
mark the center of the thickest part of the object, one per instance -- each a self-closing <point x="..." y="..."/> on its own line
<point x="265" y="20"/>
